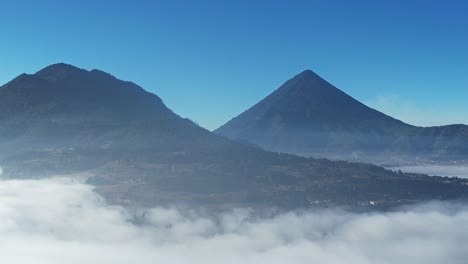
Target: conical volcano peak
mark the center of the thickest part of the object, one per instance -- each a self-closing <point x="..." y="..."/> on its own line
<point x="309" y="84"/>
<point x="308" y="74"/>
<point x="308" y="79"/>
<point x="306" y="108"/>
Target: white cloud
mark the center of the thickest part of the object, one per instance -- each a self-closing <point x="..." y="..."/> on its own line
<point x="60" y="221"/>
<point x="409" y="112"/>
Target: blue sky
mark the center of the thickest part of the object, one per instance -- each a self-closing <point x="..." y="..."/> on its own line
<point x="211" y="60"/>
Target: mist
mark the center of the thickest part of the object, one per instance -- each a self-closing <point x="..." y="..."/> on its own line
<point x="460" y="171"/>
<point x="64" y="221"/>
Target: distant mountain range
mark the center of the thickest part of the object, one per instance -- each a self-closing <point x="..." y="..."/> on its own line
<point x="310" y="117"/>
<point x="66" y="121"/>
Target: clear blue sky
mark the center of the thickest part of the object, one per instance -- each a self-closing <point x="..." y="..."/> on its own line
<point x="210" y="60"/>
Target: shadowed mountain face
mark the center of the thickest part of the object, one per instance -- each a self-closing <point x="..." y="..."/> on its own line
<point x="309" y="116"/>
<point x="67" y="107"/>
<point x="125" y="141"/>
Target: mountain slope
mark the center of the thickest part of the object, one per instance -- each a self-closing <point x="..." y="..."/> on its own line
<point x="62" y="104"/>
<point x="125" y="141"/>
<point x="309" y="116"/>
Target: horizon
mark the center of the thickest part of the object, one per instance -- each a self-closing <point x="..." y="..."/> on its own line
<point x="208" y="55"/>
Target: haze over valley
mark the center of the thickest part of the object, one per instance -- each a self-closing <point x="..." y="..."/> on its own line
<point x="74" y="226"/>
<point x="64" y="120"/>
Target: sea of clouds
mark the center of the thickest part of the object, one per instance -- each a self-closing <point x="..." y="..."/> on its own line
<point x="56" y="221"/>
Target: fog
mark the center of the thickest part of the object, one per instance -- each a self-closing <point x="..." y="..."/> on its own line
<point x="460" y="171"/>
<point x="56" y="221"/>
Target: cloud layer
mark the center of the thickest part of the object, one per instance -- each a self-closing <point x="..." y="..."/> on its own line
<point x="60" y="221"/>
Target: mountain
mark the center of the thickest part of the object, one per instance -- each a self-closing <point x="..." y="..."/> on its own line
<point x="69" y="107"/>
<point x="66" y="121"/>
<point x="308" y="116"/>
